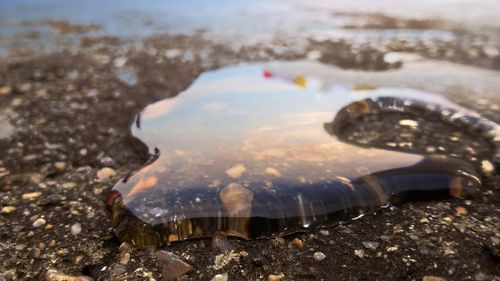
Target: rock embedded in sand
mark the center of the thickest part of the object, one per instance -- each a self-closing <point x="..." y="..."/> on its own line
<point x="319" y="256"/>
<point x="54" y="275"/>
<point x="105" y="173"/>
<point x="172" y="266"/>
<point x="8" y="209"/>
<point x="31" y="195"/>
<point x="220" y="277"/>
<point x="39" y="222"/>
<point x="370" y="245"/>
<point x="5" y="90"/>
<point x="76" y="229"/>
<point x="273" y="277"/>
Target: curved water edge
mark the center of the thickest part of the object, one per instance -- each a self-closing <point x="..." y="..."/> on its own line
<point x="259" y="150"/>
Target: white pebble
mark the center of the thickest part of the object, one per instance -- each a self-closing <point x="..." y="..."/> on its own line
<point x="39" y="222"/>
<point x="487" y="167"/>
<point x="76" y="229"/>
<point x="319" y="256"/>
<point x="220" y="277"/>
<point x="105" y="173"/>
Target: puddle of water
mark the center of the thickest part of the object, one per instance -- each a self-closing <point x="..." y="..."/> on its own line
<point x="264" y="149"/>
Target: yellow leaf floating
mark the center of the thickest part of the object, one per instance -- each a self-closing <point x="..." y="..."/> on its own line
<point x="300" y="81"/>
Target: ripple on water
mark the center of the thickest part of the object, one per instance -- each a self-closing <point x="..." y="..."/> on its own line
<point x="254" y="150"/>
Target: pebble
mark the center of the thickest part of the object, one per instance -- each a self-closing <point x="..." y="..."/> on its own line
<point x="5" y="90"/>
<point x="124" y="258"/>
<point x="8" y="209"/>
<point x="76" y="229"/>
<point x="172" y="266"/>
<point x="220" y="277"/>
<point x="39" y="222"/>
<point x="487" y="167"/>
<point x="392" y="249"/>
<point x="324" y="232"/>
<point x="120" y="61"/>
<point x="424" y="220"/>
<point x="319" y="256"/>
<point x="31" y="195"/>
<point x="108" y="162"/>
<point x="105" y="173"/>
<point x="83" y="151"/>
<point x="359" y="253"/>
<point x="370" y="245"/>
<point x="460" y="211"/>
<point x="433" y="278"/>
<point x="68" y="185"/>
<point x="54" y="275"/>
<point x="297" y="242"/>
<point x="273" y="277"/>
<point x="60" y="166"/>
<point x="408" y="123"/>
<point x="125" y="248"/>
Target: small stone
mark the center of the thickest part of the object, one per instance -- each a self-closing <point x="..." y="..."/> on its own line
<point x="392" y="249"/>
<point x="487" y="167"/>
<point x="8" y="209"/>
<point x="120" y="62"/>
<point x="5" y="90"/>
<point x="408" y="123"/>
<point x="298" y="243"/>
<point x="31" y="195"/>
<point x="172" y="266"/>
<point x="108" y="162"/>
<point x="273" y="277"/>
<point x="105" y="173"/>
<point x="460" y="211"/>
<point x="319" y="256"/>
<point x="220" y="277"/>
<point x="392" y="57"/>
<point x="225" y="258"/>
<point x="433" y="278"/>
<point x="370" y="245"/>
<point x="359" y="253"/>
<point x="125" y="248"/>
<point x="324" y="232"/>
<point x="76" y="229"/>
<point x="83" y="151"/>
<point x="124" y="258"/>
<point x="424" y="220"/>
<point x="39" y="222"/>
<point x="68" y="185"/>
<point x="60" y="166"/>
<point x="54" y="275"/>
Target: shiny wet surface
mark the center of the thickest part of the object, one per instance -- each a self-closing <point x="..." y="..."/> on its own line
<point x="257" y="150"/>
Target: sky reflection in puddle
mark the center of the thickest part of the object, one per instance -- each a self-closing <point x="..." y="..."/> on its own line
<point x="256" y="150"/>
